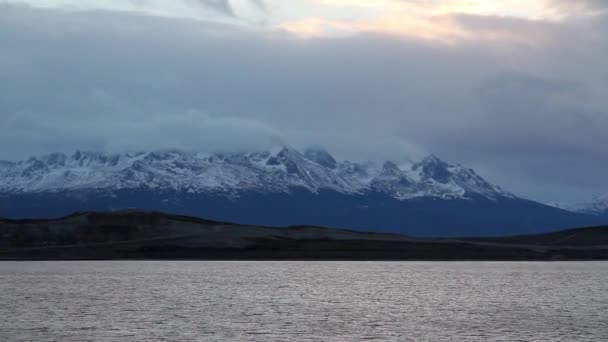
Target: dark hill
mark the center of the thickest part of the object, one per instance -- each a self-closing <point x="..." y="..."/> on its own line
<point x="582" y="237"/>
<point x="154" y="235"/>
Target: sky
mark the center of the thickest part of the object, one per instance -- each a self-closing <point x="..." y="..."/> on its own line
<point x="515" y="89"/>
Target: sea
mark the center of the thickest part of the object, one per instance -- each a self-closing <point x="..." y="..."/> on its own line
<point x="303" y="301"/>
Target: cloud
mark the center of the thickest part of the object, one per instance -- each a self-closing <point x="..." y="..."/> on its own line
<point x="260" y="4"/>
<point x="576" y="6"/>
<point x="222" y="6"/>
<point x="544" y="124"/>
<point x="215" y="10"/>
<point x="192" y="131"/>
<point x="518" y="99"/>
<point x="120" y="129"/>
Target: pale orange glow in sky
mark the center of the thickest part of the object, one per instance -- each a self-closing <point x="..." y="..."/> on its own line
<point x="438" y="28"/>
<point x="430" y="19"/>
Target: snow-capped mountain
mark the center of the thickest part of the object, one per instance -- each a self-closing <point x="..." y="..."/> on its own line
<point x="279" y="171"/>
<point x="598" y="206"/>
<point x="283" y="186"/>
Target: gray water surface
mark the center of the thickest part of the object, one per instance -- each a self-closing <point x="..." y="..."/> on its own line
<point x="303" y="301"/>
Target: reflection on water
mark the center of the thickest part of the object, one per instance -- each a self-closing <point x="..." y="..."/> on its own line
<point x="303" y="301"/>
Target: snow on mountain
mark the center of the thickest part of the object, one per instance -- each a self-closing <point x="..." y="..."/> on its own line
<point x="598" y="206"/>
<point x="279" y="170"/>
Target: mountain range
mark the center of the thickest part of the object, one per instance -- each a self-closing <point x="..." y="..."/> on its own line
<point x="282" y="186"/>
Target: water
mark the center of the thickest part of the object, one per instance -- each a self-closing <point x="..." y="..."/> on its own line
<point x="303" y="301"/>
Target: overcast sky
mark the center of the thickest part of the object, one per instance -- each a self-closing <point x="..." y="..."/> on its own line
<point x="517" y="89"/>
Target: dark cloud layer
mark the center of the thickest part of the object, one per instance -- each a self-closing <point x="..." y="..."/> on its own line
<point x="528" y="110"/>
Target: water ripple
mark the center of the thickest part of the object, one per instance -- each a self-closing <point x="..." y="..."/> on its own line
<point x="303" y="301"/>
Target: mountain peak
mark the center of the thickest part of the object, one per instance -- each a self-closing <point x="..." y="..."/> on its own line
<point x="321" y="157"/>
<point x="434" y="168"/>
<point x="432" y="159"/>
<point x="390" y="168"/>
<point x="54" y="158"/>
